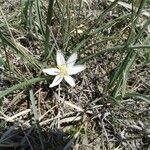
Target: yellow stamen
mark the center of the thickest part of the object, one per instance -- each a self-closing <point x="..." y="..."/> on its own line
<point x="63" y="70"/>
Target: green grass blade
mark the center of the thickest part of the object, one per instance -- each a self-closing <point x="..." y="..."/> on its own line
<point x="147" y="23"/>
<point x="39" y="17"/>
<point x="96" y="22"/>
<point x="143" y="97"/>
<point x="113" y="4"/>
<point x="24" y="12"/>
<point x="113" y="49"/>
<point x="48" y="24"/>
<point x="19" y="50"/>
<point x="34" y="108"/>
<point x="121" y="74"/>
<point x="97" y="30"/>
<point x="140" y="8"/>
<point x="119" y="70"/>
<point x="22" y="85"/>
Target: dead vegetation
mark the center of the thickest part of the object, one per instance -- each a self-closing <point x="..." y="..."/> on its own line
<point x="90" y="116"/>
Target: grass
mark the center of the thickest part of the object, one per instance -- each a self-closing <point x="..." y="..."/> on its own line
<point x="108" y="108"/>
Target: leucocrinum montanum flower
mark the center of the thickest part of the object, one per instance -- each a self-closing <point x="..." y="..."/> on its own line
<point x="64" y="69"/>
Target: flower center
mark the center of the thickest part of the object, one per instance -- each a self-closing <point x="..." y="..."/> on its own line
<point x="63" y="70"/>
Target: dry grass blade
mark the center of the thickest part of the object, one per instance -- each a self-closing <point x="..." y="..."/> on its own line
<point x="129" y="6"/>
<point x="69" y="103"/>
<point x="12" y="118"/>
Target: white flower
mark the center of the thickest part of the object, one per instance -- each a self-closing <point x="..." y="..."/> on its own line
<point x="64" y="69"/>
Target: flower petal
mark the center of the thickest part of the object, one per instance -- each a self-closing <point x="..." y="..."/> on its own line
<point x="75" y="69"/>
<point x="51" y="71"/>
<point x="56" y="81"/>
<point x="72" y="59"/>
<point x="60" y="58"/>
<point x="70" y="80"/>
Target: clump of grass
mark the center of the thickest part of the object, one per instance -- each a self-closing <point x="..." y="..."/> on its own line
<point x="110" y="39"/>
